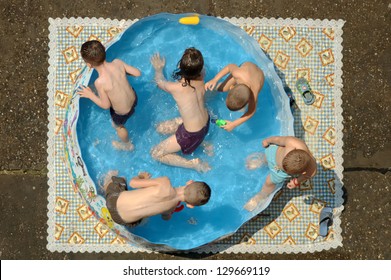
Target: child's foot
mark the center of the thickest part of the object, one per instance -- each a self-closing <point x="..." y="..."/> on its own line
<point x="128" y="146"/>
<point x="201" y="166"/>
<point x="208" y="149"/>
<point x="256" y="202"/>
<point x="255" y="161"/>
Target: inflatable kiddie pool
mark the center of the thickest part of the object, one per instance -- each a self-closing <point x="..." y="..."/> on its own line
<point x="89" y="132"/>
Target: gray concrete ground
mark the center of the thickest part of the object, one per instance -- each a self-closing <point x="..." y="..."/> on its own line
<point x="366" y="104"/>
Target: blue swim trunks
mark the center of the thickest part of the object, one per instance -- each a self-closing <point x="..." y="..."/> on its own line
<point x="277" y="175"/>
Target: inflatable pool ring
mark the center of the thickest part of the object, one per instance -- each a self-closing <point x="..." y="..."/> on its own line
<point x="231" y="182"/>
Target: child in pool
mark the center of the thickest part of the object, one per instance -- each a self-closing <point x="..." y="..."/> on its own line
<point x="243" y="85"/>
<point x="286" y="157"/>
<point x="115" y="92"/>
<point x="150" y="197"/>
<point x="193" y="125"/>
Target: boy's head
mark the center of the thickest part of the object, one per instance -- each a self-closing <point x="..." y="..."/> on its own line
<point x="296" y="162"/>
<point x="238" y="97"/>
<point x="190" y="66"/>
<point x="197" y="193"/>
<point x="93" y="52"/>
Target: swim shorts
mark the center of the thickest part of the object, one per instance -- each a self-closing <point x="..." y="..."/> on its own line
<point x="277" y="175"/>
<point x="120" y="120"/>
<point x="113" y="191"/>
<point x="189" y="141"/>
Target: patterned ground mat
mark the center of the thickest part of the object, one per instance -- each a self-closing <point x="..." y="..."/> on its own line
<point x="298" y="48"/>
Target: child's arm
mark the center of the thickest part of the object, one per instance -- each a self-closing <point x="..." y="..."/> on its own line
<point x="129" y="69"/>
<point x="102" y="101"/>
<point x="138" y="182"/>
<point x="295" y="182"/>
<point x="227" y="69"/>
<point x="250" y="112"/>
<point x="158" y="64"/>
<point x="279" y="141"/>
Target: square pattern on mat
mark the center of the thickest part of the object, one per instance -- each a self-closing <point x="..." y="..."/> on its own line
<point x="298" y="48"/>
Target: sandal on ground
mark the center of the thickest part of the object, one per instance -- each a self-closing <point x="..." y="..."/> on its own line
<point x="325" y="220"/>
<point x="304" y="89"/>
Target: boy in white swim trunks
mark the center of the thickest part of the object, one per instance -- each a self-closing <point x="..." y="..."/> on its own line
<point x="115" y="92"/>
<point x="150" y="197"/>
<point x="286" y="157"/>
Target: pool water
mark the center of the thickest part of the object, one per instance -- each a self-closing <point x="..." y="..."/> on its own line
<point x="232" y="184"/>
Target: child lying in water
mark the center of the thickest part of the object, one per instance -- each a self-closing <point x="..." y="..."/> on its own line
<point x="286" y="157"/>
<point x="150" y="197"/>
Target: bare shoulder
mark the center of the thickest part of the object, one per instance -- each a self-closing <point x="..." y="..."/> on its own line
<point x="174" y="87"/>
<point x="99" y="82"/>
<point x="163" y="186"/>
<point x="295" y="142"/>
<point x="117" y="61"/>
<point x="163" y="181"/>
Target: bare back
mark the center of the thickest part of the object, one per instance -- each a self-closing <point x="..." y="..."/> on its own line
<point x="147" y="201"/>
<point x="191" y="104"/>
<point x="250" y="75"/>
<point x="113" y="80"/>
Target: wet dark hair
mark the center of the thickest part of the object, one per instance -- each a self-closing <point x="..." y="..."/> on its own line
<point x="190" y="66"/>
<point x="197" y="193"/>
<point x="93" y="52"/>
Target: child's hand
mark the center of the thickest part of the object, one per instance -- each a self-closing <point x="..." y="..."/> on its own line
<point x="144" y="175"/>
<point x="157" y="62"/>
<point x="265" y="144"/>
<point x="210" y="85"/>
<point x="293" y="183"/>
<point x="229" y="126"/>
<point x="85" y="92"/>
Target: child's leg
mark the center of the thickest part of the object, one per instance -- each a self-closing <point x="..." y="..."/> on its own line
<point x="169" y="127"/>
<point x="255" y="160"/>
<point x="123" y="134"/>
<point x="165" y="152"/>
<point x="261" y="197"/>
<point x="208" y="148"/>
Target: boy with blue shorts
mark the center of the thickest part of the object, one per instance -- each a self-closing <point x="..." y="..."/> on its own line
<point x="288" y="158"/>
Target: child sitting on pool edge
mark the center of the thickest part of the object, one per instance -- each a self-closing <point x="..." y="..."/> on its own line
<point x="115" y="92"/>
<point x="243" y="85"/>
<point x="150" y="197"/>
<point x="286" y="157"/>
<point x="191" y="129"/>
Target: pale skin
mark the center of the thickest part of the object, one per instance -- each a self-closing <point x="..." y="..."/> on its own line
<point x="248" y="74"/>
<point x="286" y="144"/>
<point x="150" y="197"/>
<point x="193" y="114"/>
<point x="114" y="91"/>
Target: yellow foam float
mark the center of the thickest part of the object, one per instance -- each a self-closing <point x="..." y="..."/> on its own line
<point x="192" y="20"/>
